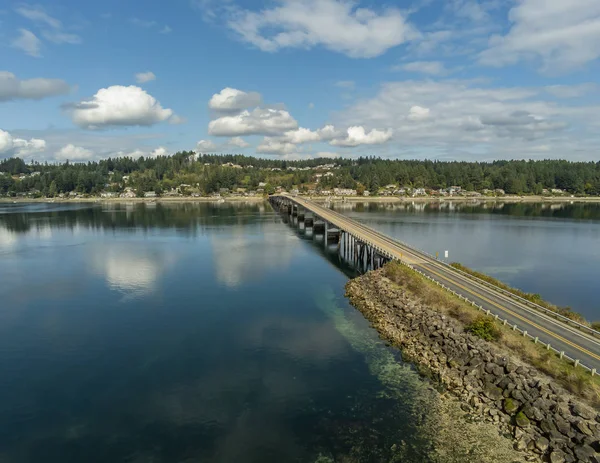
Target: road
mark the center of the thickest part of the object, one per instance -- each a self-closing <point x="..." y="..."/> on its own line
<point x="573" y="342"/>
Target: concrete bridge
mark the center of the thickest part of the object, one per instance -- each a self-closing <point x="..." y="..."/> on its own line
<point x="369" y="248"/>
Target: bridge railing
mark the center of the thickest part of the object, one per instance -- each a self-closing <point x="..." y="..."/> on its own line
<point x="533" y="305"/>
<point x="382" y="252"/>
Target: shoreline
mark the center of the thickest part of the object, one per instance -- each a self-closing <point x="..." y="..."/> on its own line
<point x="336" y="199"/>
<point x="493" y="383"/>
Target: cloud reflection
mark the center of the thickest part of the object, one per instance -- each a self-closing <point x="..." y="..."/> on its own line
<point x="240" y="257"/>
<point x="131" y="269"/>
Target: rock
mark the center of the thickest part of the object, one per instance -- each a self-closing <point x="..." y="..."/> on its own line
<point x="579" y="410"/>
<point x="584" y="452"/>
<point x="521" y="420"/>
<point x="547" y="426"/>
<point x="511" y="406"/>
<point x="557" y="457"/>
<point x="493" y="392"/>
<point x="562" y="425"/>
<point x="582" y="427"/>
<point x="596" y="445"/>
<point x="521" y="444"/>
<point x="541" y="443"/>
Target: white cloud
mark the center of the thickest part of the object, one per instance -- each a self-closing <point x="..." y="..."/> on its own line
<point x="311" y="105"/>
<point x="28" y="42"/>
<point x="74" y="153"/>
<point x="119" y="106"/>
<point x="561" y="34"/>
<point x="301" y="135"/>
<point x="275" y="146"/>
<point x="55" y="33"/>
<point x="239" y="142"/>
<point x="160" y="151"/>
<point x="205" y="146"/>
<point x="417" y="113"/>
<point x="257" y="122"/>
<point x="471" y="120"/>
<point x="12" y="88"/>
<point x="12" y="146"/>
<point x="571" y="91"/>
<point x="337" y="25"/>
<point x="234" y="100"/>
<point x="143" y="77"/>
<point x="177" y="120"/>
<point x="358" y="136"/>
<point x="329" y="132"/>
<point x="165" y="30"/>
<point x="423" y="67"/>
<point x="39" y="16"/>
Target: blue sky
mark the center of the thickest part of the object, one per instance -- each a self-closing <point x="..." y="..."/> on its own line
<point x="453" y="79"/>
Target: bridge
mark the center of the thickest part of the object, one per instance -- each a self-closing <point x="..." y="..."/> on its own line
<point x="370" y="249"/>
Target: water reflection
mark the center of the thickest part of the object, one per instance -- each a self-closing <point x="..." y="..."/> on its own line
<point x="130" y="268"/>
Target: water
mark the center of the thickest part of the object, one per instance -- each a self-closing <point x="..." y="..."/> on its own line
<point x="549" y="249"/>
<point x="188" y="333"/>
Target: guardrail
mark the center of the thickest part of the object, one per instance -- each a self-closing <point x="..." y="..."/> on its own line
<point x="557" y="316"/>
<point x="561" y="354"/>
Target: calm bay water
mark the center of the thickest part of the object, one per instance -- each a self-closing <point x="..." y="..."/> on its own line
<point x="188" y="333"/>
<point x="550" y="249"/>
<point x="215" y="332"/>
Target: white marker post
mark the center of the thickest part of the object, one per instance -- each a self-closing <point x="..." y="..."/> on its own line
<point x="446" y="254"/>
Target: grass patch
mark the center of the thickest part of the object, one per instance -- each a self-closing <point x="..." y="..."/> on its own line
<point x="531" y="297"/>
<point x="485" y="329"/>
<point x="576" y="380"/>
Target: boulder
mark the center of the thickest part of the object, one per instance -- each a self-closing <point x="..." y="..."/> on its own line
<point x="521" y="420"/>
<point x="579" y="410"/>
<point x="557" y="457"/>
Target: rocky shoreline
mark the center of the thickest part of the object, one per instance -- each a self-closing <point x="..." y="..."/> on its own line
<point x="544" y="420"/>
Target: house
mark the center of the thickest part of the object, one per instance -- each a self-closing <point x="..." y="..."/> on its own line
<point x="499" y="191"/>
<point x="328" y="174"/>
<point x="295" y="191"/>
<point x="108" y="194"/>
<point x="262" y="184"/>
<point x="150" y="194"/>
<point x="366" y="193"/>
<point x="419" y="192"/>
<point x="344" y="192"/>
<point x="557" y="191"/>
<point x="325" y="192"/>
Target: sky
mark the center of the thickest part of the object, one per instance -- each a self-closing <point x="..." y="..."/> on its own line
<point x="296" y="79"/>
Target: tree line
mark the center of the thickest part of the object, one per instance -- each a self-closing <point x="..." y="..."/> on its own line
<point x="210" y="173"/>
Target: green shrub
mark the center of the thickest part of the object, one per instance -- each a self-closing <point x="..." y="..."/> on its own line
<point x="484" y="328"/>
<point x="596" y="326"/>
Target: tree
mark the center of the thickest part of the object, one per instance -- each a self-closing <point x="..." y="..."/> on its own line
<point x="52" y="189"/>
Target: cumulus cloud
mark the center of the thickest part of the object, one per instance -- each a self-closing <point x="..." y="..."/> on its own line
<point x="28" y="42"/>
<point x="423" y="67"/>
<point x="337" y="25"/>
<point x="260" y="121"/>
<point x="301" y="135"/>
<point x="234" y="100"/>
<point x="358" y="136"/>
<point x="73" y="153"/>
<point x="275" y="146"/>
<point x="143" y="77"/>
<point x="119" y="106"/>
<point x="562" y="35"/>
<point x="12" y="146"/>
<point x="205" y="146"/>
<point x="417" y="113"/>
<point x="239" y="142"/>
<point x="13" y="88"/>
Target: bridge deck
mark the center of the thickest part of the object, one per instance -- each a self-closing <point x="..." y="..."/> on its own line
<point x="574" y="342"/>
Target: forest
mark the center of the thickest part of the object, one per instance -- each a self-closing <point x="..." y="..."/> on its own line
<point x="206" y="174"/>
